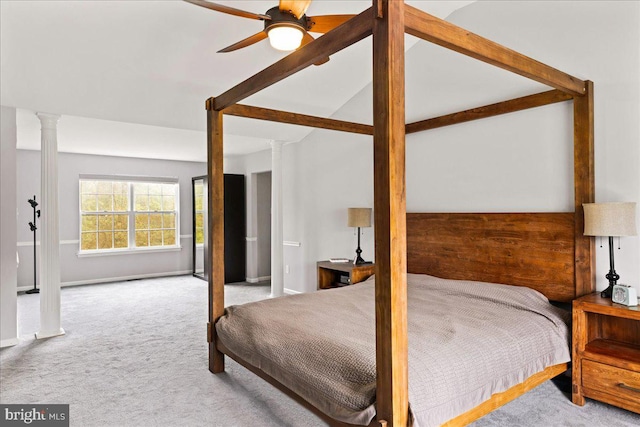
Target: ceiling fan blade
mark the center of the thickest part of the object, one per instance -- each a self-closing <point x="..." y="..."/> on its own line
<point x="246" y="42"/>
<point x="295" y="7"/>
<point x="325" y="23"/>
<point x="229" y="10"/>
<point x="308" y="38"/>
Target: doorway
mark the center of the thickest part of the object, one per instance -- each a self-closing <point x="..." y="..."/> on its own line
<point x="263" y="225"/>
<point x="234" y="228"/>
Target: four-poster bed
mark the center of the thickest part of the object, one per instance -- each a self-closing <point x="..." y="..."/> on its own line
<point x="562" y="267"/>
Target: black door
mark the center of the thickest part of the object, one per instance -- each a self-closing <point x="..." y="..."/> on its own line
<point x="234" y="229"/>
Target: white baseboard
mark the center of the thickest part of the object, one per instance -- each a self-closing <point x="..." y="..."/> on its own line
<point x="291" y="291"/>
<point x="9" y="342"/>
<point x="114" y="279"/>
<point x="258" y="279"/>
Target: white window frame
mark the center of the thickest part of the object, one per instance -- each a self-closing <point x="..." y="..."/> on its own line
<point x="131" y="212"/>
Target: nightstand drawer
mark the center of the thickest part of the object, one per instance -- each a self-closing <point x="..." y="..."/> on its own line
<point x="611" y="380"/>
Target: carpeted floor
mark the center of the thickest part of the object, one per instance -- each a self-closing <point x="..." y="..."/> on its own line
<point x="135" y="354"/>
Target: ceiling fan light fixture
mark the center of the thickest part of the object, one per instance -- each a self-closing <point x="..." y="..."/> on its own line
<point x="285" y="37"/>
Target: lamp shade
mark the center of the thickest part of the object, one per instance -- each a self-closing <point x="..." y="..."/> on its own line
<point x="359" y="217"/>
<point x="610" y="219"/>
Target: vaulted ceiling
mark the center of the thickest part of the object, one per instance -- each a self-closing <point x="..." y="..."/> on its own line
<point x="107" y="65"/>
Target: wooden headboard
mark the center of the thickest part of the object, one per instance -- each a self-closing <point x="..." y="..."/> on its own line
<point x="525" y="249"/>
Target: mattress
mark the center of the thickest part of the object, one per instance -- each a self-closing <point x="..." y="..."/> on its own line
<point x="467" y="341"/>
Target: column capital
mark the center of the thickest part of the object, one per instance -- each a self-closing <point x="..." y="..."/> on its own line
<point x="276" y="145"/>
<point x="47" y="120"/>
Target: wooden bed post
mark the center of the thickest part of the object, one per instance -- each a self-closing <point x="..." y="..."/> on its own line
<point x="584" y="182"/>
<point x="390" y="213"/>
<point x="214" y="260"/>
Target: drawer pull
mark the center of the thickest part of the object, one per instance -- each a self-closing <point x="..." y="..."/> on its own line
<point x="627" y="387"/>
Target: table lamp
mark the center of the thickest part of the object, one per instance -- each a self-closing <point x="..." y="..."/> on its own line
<point x="359" y="217"/>
<point x="615" y="219"/>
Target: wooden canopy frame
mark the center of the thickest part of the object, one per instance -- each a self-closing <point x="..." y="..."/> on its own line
<point x="387" y="21"/>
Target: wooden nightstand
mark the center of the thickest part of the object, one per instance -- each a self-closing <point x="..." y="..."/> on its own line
<point x="606" y="352"/>
<point x="331" y="273"/>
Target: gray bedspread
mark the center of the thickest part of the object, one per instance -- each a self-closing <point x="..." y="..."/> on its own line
<point x="467" y="341"/>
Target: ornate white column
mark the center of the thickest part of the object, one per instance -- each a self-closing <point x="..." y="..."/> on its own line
<point x="277" y="253"/>
<point x="50" y="323"/>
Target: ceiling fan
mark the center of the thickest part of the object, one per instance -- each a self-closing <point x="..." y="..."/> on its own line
<point x="286" y="25"/>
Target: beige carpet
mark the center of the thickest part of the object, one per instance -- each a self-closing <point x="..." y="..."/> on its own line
<point x="135" y="354"/>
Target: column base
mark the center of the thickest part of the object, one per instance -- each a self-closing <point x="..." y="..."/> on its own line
<point x="9" y="342"/>
<point x="49" y="334"/>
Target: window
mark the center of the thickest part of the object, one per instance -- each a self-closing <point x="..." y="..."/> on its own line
<point x="155" y="214"/>
<point x="198" y="187"/>
<point x="117" y="213"/>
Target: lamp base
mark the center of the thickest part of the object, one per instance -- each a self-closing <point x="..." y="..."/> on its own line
<point x="611" y="276"/>
<point x="607" y="292"/>
<point x="33" y="291"/>
<point x="358" y="259"/>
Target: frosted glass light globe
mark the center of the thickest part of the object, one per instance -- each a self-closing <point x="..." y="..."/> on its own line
<point x="285" y="37"/>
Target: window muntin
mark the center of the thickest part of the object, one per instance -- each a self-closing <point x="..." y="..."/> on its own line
<point x="120" y="215"/>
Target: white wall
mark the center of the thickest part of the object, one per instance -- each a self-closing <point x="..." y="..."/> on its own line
<point x="328" y="172"/>
<point x="519" y="162"/>
<point x="8" y="239"/>
<point x="75" y="270"/>
<point x="251" y="166"/>
<point x="598" y="41"/>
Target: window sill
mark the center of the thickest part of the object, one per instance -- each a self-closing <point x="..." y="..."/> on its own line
<point x="128" y="251"/>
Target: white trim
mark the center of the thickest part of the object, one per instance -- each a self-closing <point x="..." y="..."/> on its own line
<point x="251" y="239"/>
<point x="129" y="251"/>
<point x="9" y="342"/>
<point x="115" y="279"/>
<point x="258" y="279"/>
<point x="136" y="178"/>
<point x="76" y="242"/>
<point x="291" y="291"/>
<point x="62" y="242"/>
<point x="290" y="243"/>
